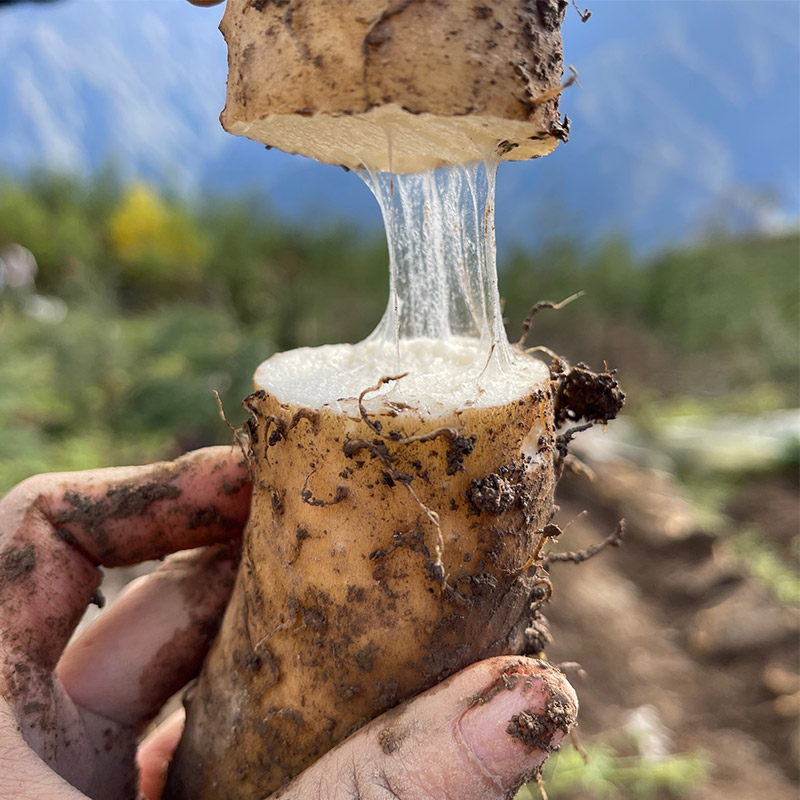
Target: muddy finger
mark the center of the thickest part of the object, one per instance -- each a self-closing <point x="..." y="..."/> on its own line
<point x="155" y="753"/>
<point x="130" y="514"/>
<point x="55" y="530"/>
<point x="153" y="640"/>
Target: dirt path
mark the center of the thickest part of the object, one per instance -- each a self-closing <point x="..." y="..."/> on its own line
<point x="671" y="621"/>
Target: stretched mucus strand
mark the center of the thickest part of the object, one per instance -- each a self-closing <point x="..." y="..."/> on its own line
<point x="442" y="329"/>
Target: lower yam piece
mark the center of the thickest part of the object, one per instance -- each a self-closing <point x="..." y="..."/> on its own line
<point x="387" y="549"/>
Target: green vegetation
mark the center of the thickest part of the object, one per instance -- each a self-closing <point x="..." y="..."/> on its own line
<point x="610" y="775"/>
<point x="715" y="324"/>
<point x="768" y="566"/>
<point x="166" y="301"/>
<point x="164" y="305"/>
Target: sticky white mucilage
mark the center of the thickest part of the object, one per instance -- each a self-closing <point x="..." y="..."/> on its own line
<point x="442" y="328"/>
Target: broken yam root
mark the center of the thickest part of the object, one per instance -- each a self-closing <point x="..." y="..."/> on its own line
<point x="385" y="551"/>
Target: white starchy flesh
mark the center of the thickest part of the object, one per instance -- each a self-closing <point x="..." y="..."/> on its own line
<point x="449" y="81"/>
<point x="443" y="375"/>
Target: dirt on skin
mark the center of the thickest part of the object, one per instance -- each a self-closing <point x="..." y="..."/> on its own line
<point x="536" y="731"/>
<point x="16" y="563"/>
<point x="120" y="502"/>
<point x="389" y="740"/>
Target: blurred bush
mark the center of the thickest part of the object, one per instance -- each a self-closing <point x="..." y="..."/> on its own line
<point x="157" y="246"/>
<point x="717" y="320"/>
<point x="167" y="301"/>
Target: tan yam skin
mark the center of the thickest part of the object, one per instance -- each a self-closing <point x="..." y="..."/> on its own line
<point x="339" y="611"/>
<point x="449" y="81"/>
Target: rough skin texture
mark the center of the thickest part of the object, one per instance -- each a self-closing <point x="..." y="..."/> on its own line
<point x="350" y="597"/>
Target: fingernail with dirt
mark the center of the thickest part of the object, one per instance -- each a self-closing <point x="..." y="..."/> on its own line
<point x="513" y="726"/>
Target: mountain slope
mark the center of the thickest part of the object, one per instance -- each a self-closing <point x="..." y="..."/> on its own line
<point x="687" y="115"/>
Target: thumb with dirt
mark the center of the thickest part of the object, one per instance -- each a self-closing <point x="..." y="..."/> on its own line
<point x="479" y="735"/>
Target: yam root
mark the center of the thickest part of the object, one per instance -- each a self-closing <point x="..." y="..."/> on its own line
<point x="386" y="550"/>
<point x="390" y="543"/>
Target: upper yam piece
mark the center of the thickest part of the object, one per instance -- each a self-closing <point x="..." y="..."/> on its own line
<point x="399" y="86"/>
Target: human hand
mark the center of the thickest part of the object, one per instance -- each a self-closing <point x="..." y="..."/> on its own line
<point x="479" y="735"/>
<point x="74" y="718"/>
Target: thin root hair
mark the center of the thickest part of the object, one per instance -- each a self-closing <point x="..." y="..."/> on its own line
<point x="526" y="325"/>
<point x="614" y="539"/>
